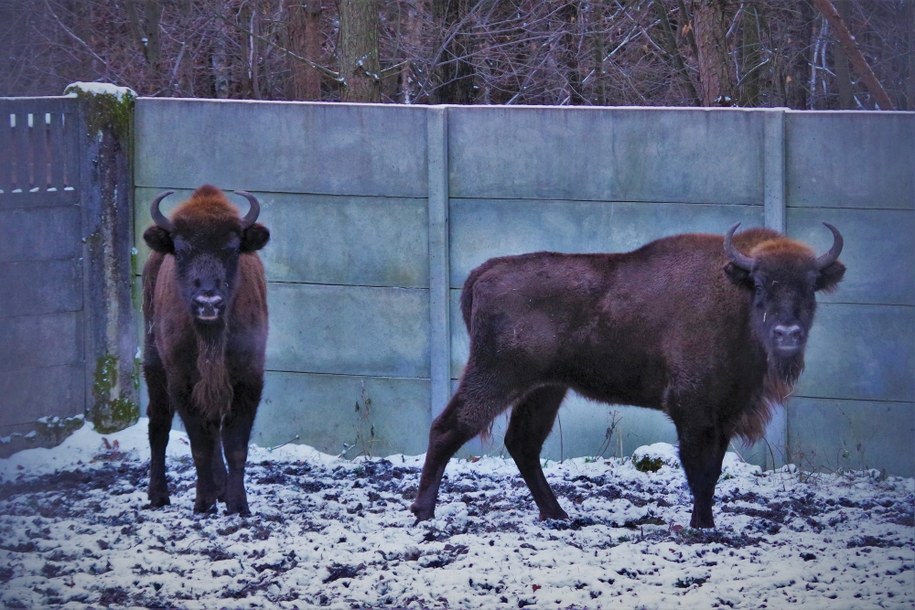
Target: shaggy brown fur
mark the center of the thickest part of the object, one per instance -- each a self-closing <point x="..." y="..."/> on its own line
<point x="677" y="325"/>
<point x="205" y="306"/>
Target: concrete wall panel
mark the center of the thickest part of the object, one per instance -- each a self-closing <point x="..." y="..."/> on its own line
<point x="340" y="149"/>
<point x="834" y="434"/>
<point x="879" y="247"/>
<point x="393" y="416"/>
<point x="861" y="352"/>
<point x="348" y="330"/>
<point x="646" y="154"/>
<point x="842" y="159"/>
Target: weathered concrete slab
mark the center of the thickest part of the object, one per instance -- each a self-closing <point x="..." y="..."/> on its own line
<point x="57" y="235"/>
<point x="339" y="149"/>
<point x="392" y="417"/>
<point x="348" y="330"/>
<point x="644" y="154"/>
<point x="879" y="251"/>
<point x="848" y="159"/>
<point x="861" y="352"/>
<point x="835" y="434"/>
<point x="373" y="209"/>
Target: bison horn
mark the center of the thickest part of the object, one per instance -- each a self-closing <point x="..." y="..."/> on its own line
<point x="741" y="260"/>
<point x="157" y="216"/>
<point x="837" y="242"/>
<point x="253" y="212"/>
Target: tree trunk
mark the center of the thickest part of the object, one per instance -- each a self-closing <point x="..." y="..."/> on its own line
<point x="146" y="31"/>
<point x="908" y="16"/>
<point x="304" y="21"/>
<point x="794" y="92"/>
<point x="716" y="79"/>
<point x="219" y="62"/>
<point x="670" y="46"/>
<point x="454" y="71"/>
<point x="751" y="57"/>
<point x="357" y="51"/>
<point x="569" y="16"/>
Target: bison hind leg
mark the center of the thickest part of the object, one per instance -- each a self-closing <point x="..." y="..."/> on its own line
<point x="472" y="408"/>
<point x="530" y="424"/>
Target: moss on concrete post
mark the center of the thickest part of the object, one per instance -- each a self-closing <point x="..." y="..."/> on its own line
<point x="106" y="198"/>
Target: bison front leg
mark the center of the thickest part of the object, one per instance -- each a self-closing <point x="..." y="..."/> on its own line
<point x="160" y="424"/>
<point x="702" y="452"/>
<point x="204" y="441"/>
<point x="530" y="424"/>
<point x="235" y="436"/>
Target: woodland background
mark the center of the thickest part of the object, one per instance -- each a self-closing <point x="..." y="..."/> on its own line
<point x="801" y="54"/>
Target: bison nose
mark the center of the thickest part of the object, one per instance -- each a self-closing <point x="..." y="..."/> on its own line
<point x="207" y="306"/>
<point x="788" y="338"/>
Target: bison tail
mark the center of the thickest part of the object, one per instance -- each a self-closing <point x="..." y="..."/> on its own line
<point x="467" y="295"/>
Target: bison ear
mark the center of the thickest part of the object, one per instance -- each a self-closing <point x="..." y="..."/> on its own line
<point x="255" y="237"/>
<point x="159" y="240"/>
<point x="739" y="276"/>
<point x="830" y="277"/>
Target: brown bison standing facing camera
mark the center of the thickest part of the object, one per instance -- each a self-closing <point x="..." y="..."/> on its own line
<point x="205" y="309"/>
<point x="709" y="330"/>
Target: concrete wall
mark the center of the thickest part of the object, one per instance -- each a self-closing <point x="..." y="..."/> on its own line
<point x="379" y="212"/>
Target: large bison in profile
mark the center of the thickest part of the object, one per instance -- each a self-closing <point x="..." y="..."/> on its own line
<point x="205" y="310"/>
<point x="709" y="329"/>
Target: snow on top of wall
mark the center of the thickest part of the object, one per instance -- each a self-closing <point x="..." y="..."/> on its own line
<point x="99" y="89"/>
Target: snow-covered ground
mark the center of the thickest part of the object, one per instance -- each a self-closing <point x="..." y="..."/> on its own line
<point x="74" y="533"/>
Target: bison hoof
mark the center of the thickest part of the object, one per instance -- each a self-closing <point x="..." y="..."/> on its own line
<point x="422" y="513"/>
<point x="205" y="508"/>
<point x="242" y="511"/>
<point x="559" y="515"/>
<point x="702" y="523"/>
<point x="159" y="502"/>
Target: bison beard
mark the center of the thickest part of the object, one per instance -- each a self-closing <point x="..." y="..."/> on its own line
<point x="212" y="394"/>
<point x="710" y="330"/>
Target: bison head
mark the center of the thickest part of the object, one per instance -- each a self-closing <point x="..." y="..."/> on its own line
<point x="206" y="236"/>
<point x="784" y="275"/>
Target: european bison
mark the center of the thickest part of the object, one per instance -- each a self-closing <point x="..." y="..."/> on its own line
<point x="205" y="309"/>
<point x="709" y="330"/>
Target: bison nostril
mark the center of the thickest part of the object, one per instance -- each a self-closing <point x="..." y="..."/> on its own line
<point x="788" y="334"/>
<point x="212" y="300"/>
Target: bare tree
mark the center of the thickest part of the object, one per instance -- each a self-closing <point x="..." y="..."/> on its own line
<point x="454" y="71"/>
<point x="607" y="52"/>
<point x="357" y="51"/>
<point x="304" y="23"/>
<point x="710" y="24"/>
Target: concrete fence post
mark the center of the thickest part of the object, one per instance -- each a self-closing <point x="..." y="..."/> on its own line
<point x="774" y="168"/>
<point x="439" y="259"/>
<point x="774" y="203"/>
<point x="106" y="199"/>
